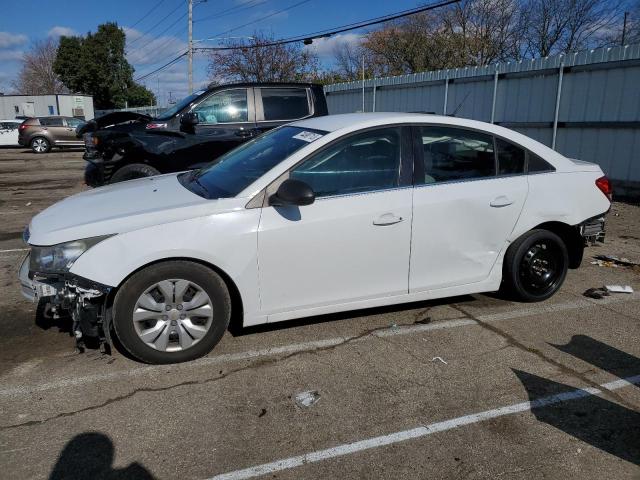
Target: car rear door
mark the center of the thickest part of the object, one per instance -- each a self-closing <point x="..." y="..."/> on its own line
<point x="226" y="118"/>
<point x="276" y="106"/>
<point x="352" y="243"/>
<point x="465" y="205"/>
<point x="56" y="130"/>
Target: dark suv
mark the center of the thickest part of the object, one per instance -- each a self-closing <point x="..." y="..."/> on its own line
<point x="124" y="145"/>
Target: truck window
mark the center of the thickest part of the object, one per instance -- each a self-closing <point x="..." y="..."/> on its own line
<point x="284" y="103"/>
<point x="228" y="106"/>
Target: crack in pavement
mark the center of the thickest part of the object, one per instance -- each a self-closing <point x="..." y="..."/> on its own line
<point x="560" y="366"/>
<point x="253" y="365"/>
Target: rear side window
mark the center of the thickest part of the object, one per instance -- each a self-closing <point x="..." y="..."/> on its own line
<point x="538" y="165"/>
<point x="511" y="159"/>
<point x="51" y="122"/>
<point x="363" y="162"/>
<point x="284" y="103"/>
<point x="452" y="154"/>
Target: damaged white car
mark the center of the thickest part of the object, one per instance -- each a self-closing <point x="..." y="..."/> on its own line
<point x="322" y="215"/>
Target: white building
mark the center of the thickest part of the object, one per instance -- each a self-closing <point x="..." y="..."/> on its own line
<point x="12" y="106"/>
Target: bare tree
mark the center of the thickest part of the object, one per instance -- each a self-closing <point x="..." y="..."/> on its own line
<point x="260" y="61"/>
<point x="36" y="76"/>
<point x="556" y="26"/>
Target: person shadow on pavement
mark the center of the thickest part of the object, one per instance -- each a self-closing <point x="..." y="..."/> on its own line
<point x="89" y="456"/>
<point x="606" y="425"/>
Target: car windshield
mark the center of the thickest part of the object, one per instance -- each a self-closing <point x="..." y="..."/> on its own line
<point x="170" y="112"/>
<point x="236" y="170"/>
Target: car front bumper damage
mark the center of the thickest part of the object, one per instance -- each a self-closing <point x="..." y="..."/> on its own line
<point x="68" y="295"/>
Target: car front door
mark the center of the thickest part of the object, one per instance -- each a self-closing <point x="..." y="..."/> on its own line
<point x="465" y="205"/>
<point x="279" y="105"/>
<point x="225" y="120"/>
<point x="352" y="243"/>
<point x="70" y="130"/>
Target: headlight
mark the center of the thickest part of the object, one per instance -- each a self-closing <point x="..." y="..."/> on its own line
<point x="59" y="258"/>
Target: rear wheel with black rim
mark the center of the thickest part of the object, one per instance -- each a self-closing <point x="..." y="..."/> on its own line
<point x="535" y="266"/>
<point x="172" y="312"/>
<point x="133" y="171"/>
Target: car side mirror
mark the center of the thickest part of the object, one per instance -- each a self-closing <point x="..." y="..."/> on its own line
<point x="293" y="192"/>
<point x="189" y="119"/>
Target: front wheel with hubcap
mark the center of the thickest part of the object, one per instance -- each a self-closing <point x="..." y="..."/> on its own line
<point x="40" y="145"/>
<point x="172" y="312"/>
<point x="535" y="266"/>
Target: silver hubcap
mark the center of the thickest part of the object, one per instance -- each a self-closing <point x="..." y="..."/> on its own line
<point x="40" y="145"/>
<point x="173" y="315"/>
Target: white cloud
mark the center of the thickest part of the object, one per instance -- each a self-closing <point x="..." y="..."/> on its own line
<point x="324" y="47"/>
<point x="8" y="40"/>
<point x="9" y="55"/>
<point x="59" y="31"/>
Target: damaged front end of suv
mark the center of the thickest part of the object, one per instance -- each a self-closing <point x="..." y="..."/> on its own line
<point x="45" y="278"/>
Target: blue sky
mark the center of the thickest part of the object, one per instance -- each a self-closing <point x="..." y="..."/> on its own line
<point x="153" y="41"/>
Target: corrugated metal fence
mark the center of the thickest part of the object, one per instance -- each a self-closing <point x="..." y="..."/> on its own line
<point x="585" y="104"/>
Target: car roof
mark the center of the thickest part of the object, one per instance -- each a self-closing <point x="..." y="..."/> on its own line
<point x="213" y="86"/>
<point x="12" y="120"/>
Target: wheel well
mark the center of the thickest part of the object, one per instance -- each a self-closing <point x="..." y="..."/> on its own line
<point x="236" y="298"/>
<point x="571" y="238"/>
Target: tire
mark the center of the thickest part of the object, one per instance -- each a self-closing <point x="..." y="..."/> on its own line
<point x="40" y="145"/>
<point x="535" y="266"/>
<point x="133" y="170"/>
<point x="162" y="335"/>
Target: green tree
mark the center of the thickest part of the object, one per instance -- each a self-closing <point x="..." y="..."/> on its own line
<point x="96" y="64"/>
<point x="140" y="96"/>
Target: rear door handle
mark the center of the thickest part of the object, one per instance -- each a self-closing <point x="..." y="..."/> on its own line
<point x="387" y="219"/>
<point x="501" y="201"/>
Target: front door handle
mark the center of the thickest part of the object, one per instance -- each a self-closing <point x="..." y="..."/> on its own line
<point x="501" y="201"/>
<point x="387" y="219"/>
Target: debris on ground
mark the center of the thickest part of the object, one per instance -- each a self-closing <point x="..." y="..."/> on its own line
<point x="613" y="261"/>
<point x="596" y="293"/>
<point x="440" y="359"/>
<point x="619" y="288"/>
<point x="28" y="204"/>
<point x="307" y="399"/>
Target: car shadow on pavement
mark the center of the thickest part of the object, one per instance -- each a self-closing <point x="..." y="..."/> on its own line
<point x="601" y="423"/>
<point x="89" y="456"/>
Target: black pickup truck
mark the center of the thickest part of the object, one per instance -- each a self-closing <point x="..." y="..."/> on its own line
<point x="195" y="131"/>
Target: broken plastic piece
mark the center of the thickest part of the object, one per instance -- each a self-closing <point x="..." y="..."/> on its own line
<point x="439" y="359"/>
<point x="307" y="399"/>
<point x="619" y="288"/>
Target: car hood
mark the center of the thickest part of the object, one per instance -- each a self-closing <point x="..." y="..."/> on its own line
<point x="122" y="207"/>
<point x="111" y="119"/>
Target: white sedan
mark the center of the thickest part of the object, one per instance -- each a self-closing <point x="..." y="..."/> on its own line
<point x="322" y="215"/>
<point x="9" y="132"/>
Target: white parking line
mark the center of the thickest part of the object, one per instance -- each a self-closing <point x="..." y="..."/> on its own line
<point x="148" y="371"/>
<point x="421" y="431"/>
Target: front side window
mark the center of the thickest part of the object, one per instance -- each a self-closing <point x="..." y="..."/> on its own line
<point x="454" y="154"/>
<point x="229" y="106"/>
<point x="510" y="158"/>
<point x="73" y="122"/>
<point x="240" y="167"/>
<point x="363" y="162"/>
<point x="284" y="103"/>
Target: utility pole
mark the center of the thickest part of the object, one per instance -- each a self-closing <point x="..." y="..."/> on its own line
<point x="624" y="28"/>
<point x="190" y="46"/>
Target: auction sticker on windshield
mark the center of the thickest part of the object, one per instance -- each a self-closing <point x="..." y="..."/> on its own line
<point x="307" y="136"/>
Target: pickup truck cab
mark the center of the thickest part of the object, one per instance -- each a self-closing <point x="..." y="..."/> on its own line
<point x="195" y="131"/>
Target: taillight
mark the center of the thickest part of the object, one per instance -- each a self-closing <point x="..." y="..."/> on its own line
<point x="22" y="127"/>
<point x="604" y="184"/>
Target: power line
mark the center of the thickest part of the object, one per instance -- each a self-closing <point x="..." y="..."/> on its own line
<point x="158" y="23"/>
<point x="147" y="14"/>
<point x="263" y="18"/>
<point x="233" y="10"/>
<point x="183" y="54"/>
<point x="341" y="29"/>
<point x="316" y="35"/>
